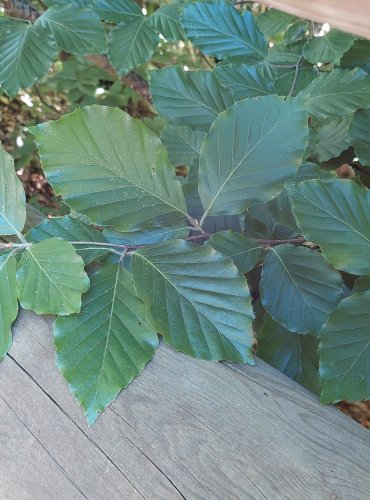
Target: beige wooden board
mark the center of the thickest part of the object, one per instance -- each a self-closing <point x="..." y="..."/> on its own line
<point x="353" y="16"/>
<point x="184" y="429"/>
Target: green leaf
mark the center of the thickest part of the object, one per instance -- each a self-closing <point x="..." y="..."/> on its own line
<point x="117" y="10"/>
<point x="102" y="349"/>
<point x="197" y="299"/>
<point x="285" y="77"/>
<point x="27" y="54"/>
<point x="147" y="236"/>
<point x="335" y="215"/>
<point x="344" y="351"/>
<point x="166" y="20"/>
<point x="245" y="81"/>
<point x="192" y="98"/>
<point x="75" y="3"/>
<point x="244" y="252"/>
<point x="338" y="93"/>
<point x="8" y="301"/>
<point x="131" y="44"/>
<point x="70" y="229"/>
<point x="211" y="224"/>
<point x="299" y="289"/>
<point x="294" y="355"/>
<point x="272" y="22"/>
<point x="77" y="31"/>
<point x="332" y="138"/>
<point x="358" y="54"/>
<point x="12" y="197"/>
<point x="359" y="135"/>
<point x="182" y="144"/>
<point x="219" y="30"/>
<point x="250" y="151"/>
<point x="51" y="278"/>
<point x="329" y="48"/>
<point x="295" y="32"/>
<point x="362" y="284"/>
<point x="111" y="168"/>
<point x="272" y="220"/>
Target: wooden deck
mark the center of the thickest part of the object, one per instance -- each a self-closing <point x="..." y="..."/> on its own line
<point x="184" y="429"/>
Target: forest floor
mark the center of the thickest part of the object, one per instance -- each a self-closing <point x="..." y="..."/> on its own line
<point x="15" y="116"/>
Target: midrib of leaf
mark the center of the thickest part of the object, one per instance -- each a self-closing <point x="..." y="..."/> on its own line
<point x="294" y="283"/>
<point x="9" y="256"/>
<point x="243" y="252"/>
<point x="21" y="49"/>
<point x="235" y="37"/>
<point x="65" y="27"/>
<point x="119" y="174"/>
<point x="49" y="277"/>
<point x="134" y="39"/>
<point x="335" y="217"/>
<point x="108" y="337"/>
<point x="224" y="339"/>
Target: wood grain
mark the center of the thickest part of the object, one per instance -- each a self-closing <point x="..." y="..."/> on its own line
<point x="184" y="429"/>
<point x="353" y="16"/>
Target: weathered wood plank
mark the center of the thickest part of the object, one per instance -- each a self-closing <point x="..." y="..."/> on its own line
<point x="184" y="429"/>
<point x="353" y="16"/>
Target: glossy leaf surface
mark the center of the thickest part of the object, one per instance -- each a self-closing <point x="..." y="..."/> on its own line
<point x="197" y="299"/>
<point x="299" y="288"/>
<point x="250" y="151"/>
<point x="51" y="278"/>
<point x="219" y="30"/>
<point x="345" y="351"/>
<point x="111" y="168"/>
<point x="12" y="197"/>
<point x="334" y="214"/>
<point x="8" y="301"/>
<point x="102" y="349"/>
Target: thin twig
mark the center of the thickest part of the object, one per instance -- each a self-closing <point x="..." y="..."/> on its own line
<point x="206" y="60"/>
<point x="295" y="79"/>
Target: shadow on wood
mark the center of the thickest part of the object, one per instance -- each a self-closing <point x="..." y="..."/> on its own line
<point x="183" y="429"/>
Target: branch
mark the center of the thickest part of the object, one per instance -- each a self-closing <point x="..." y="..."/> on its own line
<point x="21" y="9"/>
<point x="295" y="79"/>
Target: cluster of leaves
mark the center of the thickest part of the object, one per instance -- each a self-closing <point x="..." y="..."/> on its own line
<point x="163" y="230"/>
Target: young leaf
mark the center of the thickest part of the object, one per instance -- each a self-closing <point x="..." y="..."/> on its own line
<point x="272" y="22"/>
<point x="182" y="144"/>
<point x="294" y="355"/>
<point x="245" y="81"/>
<point x="329" y="48"/>
<point x="27" y="54"/>
<point x="296" y="32"/>
<point x="166" y="20"/>
<point x="196" y="298"/>
<point x="70" y="229"/>
<point x="117" y="10"/>
<point x="192" y="98"/>
<point x="76" y="30"/>
<point x="359" y="135"/>
<point x="12" y="197"/>
<point x="51" y="278"/>
<point x="250" y="151"/>
<point x="132" y="43"/>
<point x="299" y="289"/>
<point x="102" y="349"/>
<point x="332" y="138"/>
<point x="344" y="351"/>
<point x="334" y="214"/>
<point x="338" y="93"/>
<point x="111" y="168"/>
<point x="244" y="252"/>
<point x="219" y="30"/>
<point x="8" y="301"/>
